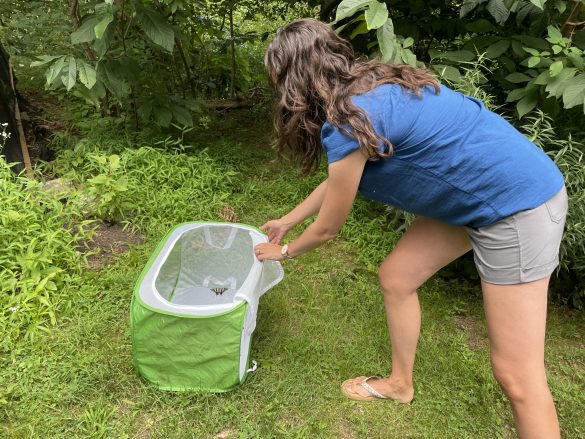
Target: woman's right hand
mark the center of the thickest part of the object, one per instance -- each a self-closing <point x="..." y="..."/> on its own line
<point x="276" y="229"/>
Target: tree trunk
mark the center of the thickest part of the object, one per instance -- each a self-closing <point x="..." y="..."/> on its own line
<point x="74" y="14"/>
<point x="233" y="46"/>
<point x="571" y="24"/>
<point x="11" y="150"/>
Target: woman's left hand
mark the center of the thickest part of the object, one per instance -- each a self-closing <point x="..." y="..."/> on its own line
<point x="268" y="251"/>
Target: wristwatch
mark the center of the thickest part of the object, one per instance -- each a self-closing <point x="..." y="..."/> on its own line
<point x="284" y="252"/>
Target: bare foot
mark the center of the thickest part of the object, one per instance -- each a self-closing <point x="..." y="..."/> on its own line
<point x="386" y="386"/>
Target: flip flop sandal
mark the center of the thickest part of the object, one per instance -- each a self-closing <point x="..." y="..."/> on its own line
<point x="374" y="395"/>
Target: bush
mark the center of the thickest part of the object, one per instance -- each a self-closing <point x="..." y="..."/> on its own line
<point x="39" y="237"/>
<point x="568" y="155"/>
<point x="148" y="188"/>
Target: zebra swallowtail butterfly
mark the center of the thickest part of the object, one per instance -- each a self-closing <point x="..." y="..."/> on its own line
<point x="219" y="291"/>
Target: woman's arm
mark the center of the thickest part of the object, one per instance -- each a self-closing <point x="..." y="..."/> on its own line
<point x="339" y="193"/>
<point x="309" y="207"/>
<point x="277" y="228"/>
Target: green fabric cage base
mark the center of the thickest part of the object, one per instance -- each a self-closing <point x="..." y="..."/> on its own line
<point x="194" y="307"/>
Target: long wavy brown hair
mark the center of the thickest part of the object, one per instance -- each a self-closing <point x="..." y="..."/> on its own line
<point x="316" y="74"/>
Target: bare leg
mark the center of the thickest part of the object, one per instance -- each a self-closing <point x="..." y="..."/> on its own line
<point x="516" y="319"/>
<point x="427" y="246"/>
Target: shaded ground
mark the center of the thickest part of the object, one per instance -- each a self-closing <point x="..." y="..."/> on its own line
<point x="109" y="241"/>
<point x="323" y="324"/>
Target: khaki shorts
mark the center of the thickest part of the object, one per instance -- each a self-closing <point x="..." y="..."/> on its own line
<point x="523" y="247"/>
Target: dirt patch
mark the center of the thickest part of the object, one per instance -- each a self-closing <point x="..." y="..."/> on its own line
<point x="476" y="334"/>
<point x="345" y="430"/>
<point x="39" y="112"/>
<point x="108" y="242"/>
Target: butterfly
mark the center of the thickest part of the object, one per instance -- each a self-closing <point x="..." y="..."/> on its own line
<point x="219" y="291"/>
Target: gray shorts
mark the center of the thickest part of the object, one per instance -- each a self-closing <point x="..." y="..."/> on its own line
<point x="523" y="247"/>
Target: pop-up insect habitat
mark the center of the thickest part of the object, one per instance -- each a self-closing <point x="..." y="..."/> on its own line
<point x="195" y="305"/>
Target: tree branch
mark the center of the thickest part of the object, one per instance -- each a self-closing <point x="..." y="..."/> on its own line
<point x="74" y="14"/>
<point x="568" y="29"/>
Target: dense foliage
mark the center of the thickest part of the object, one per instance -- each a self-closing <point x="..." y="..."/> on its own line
<point x="530" y="53"/>
<point x="535" y="48"/>
<point x="148" y="61"/>
<point x="139" y="62"/>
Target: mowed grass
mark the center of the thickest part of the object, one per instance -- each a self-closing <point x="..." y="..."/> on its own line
<point x="322" y="324"/>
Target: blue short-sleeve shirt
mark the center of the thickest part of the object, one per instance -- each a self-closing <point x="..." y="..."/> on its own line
<point x="453" y="159"/>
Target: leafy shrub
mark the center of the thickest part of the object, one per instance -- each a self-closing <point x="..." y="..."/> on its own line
<point x="39" y="236"/>
<point x="568" y="155"/>
<point x="150" y="189"/>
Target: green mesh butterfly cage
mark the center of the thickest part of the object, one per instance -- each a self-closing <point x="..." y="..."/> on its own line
<point x="195" y="304"/>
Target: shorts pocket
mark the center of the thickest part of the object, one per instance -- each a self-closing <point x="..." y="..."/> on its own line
<point x="557" y="206"/>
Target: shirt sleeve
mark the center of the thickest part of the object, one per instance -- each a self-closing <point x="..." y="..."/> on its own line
<point x="336" y="144"/>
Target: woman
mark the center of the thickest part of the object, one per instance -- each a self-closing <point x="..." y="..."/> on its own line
<point x="399" y="137"/>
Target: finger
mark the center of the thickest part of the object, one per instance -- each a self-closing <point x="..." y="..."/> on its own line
<point x="264" y="226"/>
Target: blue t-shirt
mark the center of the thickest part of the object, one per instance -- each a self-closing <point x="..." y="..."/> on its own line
<point x="453" y="160"/>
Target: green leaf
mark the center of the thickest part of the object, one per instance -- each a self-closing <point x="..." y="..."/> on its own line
<point x="531" y="51"/>
<point x="101" y="27"/>
<point x="516" y="95"/>
<point x="110" y="75"/>
<point x="554" y="33"/>
<point x="575" y="92"/>
<point x="556" y="68"/>
<point x="538" y="3"/>
<point x="156" y="27"/>
<point x="408" y="42"/>
<point x="556" y="49"/>
<point x="114" y="160"/>
<point x="87" y="74"/>
<point x="576" y="60"/>
<point x="497" y="49"/>
<point x="524" y="10"/>
<point x="557" y="85"/>
<point x="528" y="102"/>
<point x="561" y="6"/>
<point x="85" y="33"/>
<point x="456" y="55"/>
<point x="102" y="45"/>
<point x="162" y="116"/>
<point x="386" y="40"/>
<point x="449" y="73"/>
<point x="534" y="42"/>
<point x="517" y="78"/>
<point x="479" y="44"/>
<point x="362" y="28"/>
<point x="55" y="70"/>
<point x="376" y="15"/>
<point x="182" y="115"/>
<point x="498" y="10"/>
<point x="468" y="6"/>
<point x="145" y="110"/>
<point x="480" y="26"/>
<point x="533" y="61"/>
<point x="408" y="57"/>
<point x="69" y="74"/>
<point x="543" y="78"/>
<point x="349" y="7"/>
<point x="44" y="59"/>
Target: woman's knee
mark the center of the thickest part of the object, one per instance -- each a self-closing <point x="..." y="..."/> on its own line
<point x="519" y="384"/>
<point x="395" y="284"/>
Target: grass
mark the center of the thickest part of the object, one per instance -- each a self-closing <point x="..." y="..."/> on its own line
<point x="321" y="325"/>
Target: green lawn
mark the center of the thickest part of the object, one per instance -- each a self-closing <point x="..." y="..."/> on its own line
<point x="322" y="324"/>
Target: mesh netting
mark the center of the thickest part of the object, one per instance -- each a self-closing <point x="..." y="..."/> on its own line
<point x="206" y="266"/>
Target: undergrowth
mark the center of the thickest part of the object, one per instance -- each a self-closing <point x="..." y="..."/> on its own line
<point x="322" y="324"/>
<point x="39" y="261"/>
